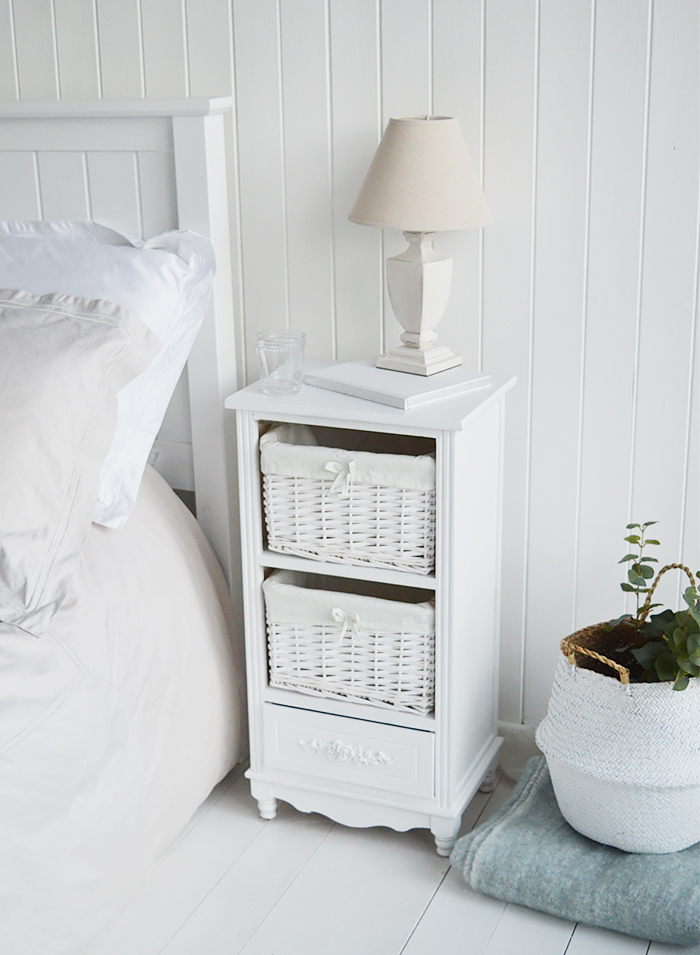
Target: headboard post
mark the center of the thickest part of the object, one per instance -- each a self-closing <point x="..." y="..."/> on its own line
<point x="200" y="172"/>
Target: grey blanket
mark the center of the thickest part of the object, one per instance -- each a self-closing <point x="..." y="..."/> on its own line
<point x="527" y="853"/>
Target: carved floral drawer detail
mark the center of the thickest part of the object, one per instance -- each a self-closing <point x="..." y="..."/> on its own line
<point x="344" y="752"/>
<point x="353" y="750"/>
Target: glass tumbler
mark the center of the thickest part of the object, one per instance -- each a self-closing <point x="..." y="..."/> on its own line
<point x="281" y="357"/>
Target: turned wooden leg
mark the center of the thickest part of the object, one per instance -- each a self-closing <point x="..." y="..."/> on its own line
<point x="488" y="783"/>
<point x="445" y="832"/>
<point x="268" y="808"/>
<point x="262" y="792"/>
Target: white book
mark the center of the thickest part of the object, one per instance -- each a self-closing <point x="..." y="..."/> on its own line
<point x="396" y="388"/>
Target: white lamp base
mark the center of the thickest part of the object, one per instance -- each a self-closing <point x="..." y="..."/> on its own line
<point x="419" y="287"/>
<point x="417" y="361"/>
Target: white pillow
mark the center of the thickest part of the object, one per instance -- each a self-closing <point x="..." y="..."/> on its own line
<point x="165" y="281"/>
<point x="62" y="362"/>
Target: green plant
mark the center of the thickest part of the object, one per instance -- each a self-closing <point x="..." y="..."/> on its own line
<point x="639" y="573"/>
<point x="666" y="645"/>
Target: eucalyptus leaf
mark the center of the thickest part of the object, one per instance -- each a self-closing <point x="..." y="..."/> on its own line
<point x="651" y="542"/>
<point x="649" y="653"/>
<point x="665" y="666"/>
<point x="628" y="589"/>
<point x="633" y="539"/>
<point x="646" y="572"/>
<point x="630" y="526"/>
<point x="694" y="648"/>
<point x="648" y="524"/>
<point x="627" y="557"/>
<point x="681" y="682"/>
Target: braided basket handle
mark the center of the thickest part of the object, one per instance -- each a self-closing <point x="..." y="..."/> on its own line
<point x="646" y="606"/>
<point x="573" y="648"/>
<point x="570" y="649"/>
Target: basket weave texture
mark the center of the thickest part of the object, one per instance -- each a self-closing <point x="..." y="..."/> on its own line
<point x="374" y="657"/>
<point x="344" y="506"/>
<point x="624" y="759"/>
<point x="373" y="526"/>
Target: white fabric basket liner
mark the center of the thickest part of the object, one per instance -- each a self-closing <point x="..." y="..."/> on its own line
<point x="286" y="451"/>
<point x="649" y="732"/>
<point x="287" y="603"/>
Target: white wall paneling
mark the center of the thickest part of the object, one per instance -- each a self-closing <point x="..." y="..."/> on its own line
<point x="512" y="45"/>
<point x="582" y="118"/>
<point x="166" y="71"/>
<point x="458" y="90"/>
<point x="209" y="44"/>
<point x="9" y="78"/>
<point x="558" y="314"/>
<point x="261" y="170"/>
<point x="406" y="89"/>
<point x="669" y="278"/>
<point x="618" y="178"/>
<point x="35" y="40"/>
<point x="76" y="49"/>
<point x="306" y="119"/>
<point x="121" y="48"/>
<point x="356" y="129"/>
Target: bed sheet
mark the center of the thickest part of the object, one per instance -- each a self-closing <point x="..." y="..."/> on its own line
<point x="114" y="726"/>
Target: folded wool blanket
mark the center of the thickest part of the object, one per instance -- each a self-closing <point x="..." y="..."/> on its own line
<point x="527" y="853"/>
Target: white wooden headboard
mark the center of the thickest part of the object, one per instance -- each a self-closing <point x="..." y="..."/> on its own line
<point x="143" y="167"/>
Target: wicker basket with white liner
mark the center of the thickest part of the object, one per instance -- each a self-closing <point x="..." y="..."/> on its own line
<point x="350" y="646"/>
<point x="345" y="506"/>
<point x="624" y="757"/>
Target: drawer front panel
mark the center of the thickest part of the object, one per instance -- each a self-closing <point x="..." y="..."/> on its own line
<point x="349" y="750"/>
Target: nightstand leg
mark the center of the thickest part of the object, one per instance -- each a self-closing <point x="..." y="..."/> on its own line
<point x="267" y="804"/>
<point x="268" y="808"/>
<point x="445" y="832"/>
<point x="488" y="783"/>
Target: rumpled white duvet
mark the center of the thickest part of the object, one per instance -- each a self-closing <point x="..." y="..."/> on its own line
<point x="114" y="726"/>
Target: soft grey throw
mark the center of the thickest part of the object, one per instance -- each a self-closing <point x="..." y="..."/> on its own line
<point x="527" y="853"/>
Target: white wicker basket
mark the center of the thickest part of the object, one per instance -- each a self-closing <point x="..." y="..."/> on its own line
<point x="349" y="507"/>
<point x="350" y="646"/>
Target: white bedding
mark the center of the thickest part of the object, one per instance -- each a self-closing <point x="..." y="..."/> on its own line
<point x="114" y="725"/>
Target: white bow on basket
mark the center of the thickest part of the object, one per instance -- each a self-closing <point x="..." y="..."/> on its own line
<point x="345" y="474"/>
<point x="349" y="620"/>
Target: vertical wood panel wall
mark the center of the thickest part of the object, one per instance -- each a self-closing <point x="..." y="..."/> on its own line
<point x="583" y="119"/>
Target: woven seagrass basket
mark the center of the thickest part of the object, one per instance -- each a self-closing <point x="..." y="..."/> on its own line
<point x="350" y="647"/>
<point x="624" y="757"/>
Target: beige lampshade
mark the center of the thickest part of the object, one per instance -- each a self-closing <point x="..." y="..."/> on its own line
<point x="421" y="179"/>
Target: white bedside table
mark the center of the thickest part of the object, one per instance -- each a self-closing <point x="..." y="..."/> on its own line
<point x="356" y="763"/>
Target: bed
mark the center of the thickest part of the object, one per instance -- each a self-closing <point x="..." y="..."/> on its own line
<point x="121" y="675"/>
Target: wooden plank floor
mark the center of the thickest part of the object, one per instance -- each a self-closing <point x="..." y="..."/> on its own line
<point x="303" y="885"/>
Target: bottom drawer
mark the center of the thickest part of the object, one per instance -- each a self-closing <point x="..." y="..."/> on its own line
<point x="349" y="750"/>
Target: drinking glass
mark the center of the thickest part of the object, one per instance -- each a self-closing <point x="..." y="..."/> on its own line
<point x="281" y="358"/>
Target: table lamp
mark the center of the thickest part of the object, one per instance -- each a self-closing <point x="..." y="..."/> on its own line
<point x="421" y="180"/>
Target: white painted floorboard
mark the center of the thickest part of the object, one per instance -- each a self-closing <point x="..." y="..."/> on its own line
<point x="303" y="885"/>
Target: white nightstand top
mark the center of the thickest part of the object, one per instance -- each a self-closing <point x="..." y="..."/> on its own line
<point x="447" y="414"/>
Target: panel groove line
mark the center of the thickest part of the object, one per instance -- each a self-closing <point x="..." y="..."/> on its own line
<point x="584" y="314"/>
<point x="98" y="57"/>
<point x="640" y="266"/>
<point x="13" y="46"/>
<point x="54" y="36"/>
<point x="530" y="358"/>
<point x="692" y="387"/>
<point x="331" y="178"/>
<point x="37" y="184"/>
<point x="283" y="154"/>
